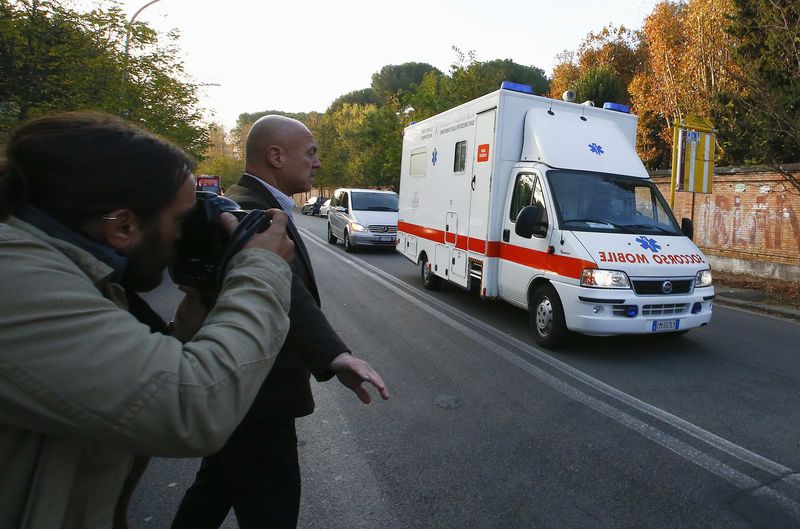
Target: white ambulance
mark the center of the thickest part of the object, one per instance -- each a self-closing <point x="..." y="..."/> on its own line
<point x="545" y="204"/>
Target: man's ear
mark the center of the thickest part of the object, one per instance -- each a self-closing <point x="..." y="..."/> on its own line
<point x="121" y="229"/>
<point x="274" y="156"/>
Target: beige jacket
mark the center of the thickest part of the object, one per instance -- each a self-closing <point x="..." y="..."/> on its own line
<point x="84" y="385"/>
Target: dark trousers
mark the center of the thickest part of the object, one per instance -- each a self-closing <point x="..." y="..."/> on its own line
<point x="256" y="472"/>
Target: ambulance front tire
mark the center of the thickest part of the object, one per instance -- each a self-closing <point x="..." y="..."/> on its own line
<point x="331" y="237"/>
<point x="429" y="280"/>
<point x="547" y="317"/>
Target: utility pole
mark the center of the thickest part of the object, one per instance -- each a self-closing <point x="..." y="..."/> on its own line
<point x="126" y="112"/>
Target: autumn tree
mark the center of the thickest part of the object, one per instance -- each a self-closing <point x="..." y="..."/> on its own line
<point x="615" y="51"/>
<point x="565" y="74"/>
<point x="688" y="58"/>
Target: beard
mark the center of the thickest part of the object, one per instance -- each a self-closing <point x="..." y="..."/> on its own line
<point x="147" y="262"/>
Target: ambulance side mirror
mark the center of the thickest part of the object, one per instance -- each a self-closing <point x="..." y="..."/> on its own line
<point x="687" y="228"/>
<point x="530" y="222"/>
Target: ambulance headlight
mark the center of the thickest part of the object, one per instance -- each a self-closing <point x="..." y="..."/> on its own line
<point x="596" y="278"/>
<point x="355" y="226"/>
<point x="703" y="279"/>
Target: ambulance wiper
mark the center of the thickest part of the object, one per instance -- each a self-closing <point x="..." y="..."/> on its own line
<point x="620" y="227"/>
<point x="652" y="227"/>
<point x="380" y="208"/>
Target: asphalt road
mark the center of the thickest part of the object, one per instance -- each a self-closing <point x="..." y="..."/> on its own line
<point x="485" y="430"/>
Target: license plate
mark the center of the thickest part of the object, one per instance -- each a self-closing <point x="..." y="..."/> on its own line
<point x="666" y="325"/>
<point x="383" y="238"/>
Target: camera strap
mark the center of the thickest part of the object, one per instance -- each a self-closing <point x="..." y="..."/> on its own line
<point x="254" y="222"/>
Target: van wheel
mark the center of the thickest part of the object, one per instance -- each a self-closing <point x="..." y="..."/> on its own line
<point x="547" y="317"/>
<point x="331" y="237"/>
<point x="348" y="247"/>
<point x="429" y="280"/>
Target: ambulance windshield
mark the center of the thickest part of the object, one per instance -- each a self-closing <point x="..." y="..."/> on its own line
<point x="587" y="201"/>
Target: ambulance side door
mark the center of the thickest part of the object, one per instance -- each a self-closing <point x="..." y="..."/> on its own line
<point x="521" y="259"/>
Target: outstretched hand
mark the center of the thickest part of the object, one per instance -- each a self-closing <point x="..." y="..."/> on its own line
<point x="353" y="372"/>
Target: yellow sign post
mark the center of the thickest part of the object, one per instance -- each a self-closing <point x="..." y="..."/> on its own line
<point x="692" y="156"/>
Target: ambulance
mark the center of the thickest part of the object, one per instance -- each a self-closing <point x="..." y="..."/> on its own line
<point x="545" y="204"/>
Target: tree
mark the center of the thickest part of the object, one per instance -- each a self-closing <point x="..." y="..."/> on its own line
<point x="55" y="59"/>
<point x="599" y="85"/>
<point x="688" y="58"/>
<point x="761" y="123"/>
<point x="565" y="74"/>
<point x="220" y="158"/>
<point x="395" y="81"/>
<point x="612" y="49"/>
<point x="472" y="78"/>
<point x="365" y="96"/>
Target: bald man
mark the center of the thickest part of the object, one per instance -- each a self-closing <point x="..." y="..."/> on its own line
<point x="257" y="472"/>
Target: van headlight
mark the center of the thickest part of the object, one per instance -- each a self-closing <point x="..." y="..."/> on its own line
<point x="355" y="226"/>
<point x="596" y="278"/>
<point x="703" y="279"/>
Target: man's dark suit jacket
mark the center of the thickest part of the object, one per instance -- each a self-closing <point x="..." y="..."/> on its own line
<point x="311" y="343"/>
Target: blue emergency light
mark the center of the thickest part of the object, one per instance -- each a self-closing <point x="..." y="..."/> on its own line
<point x="616" y="107"/>
<point x="516" y="87"/>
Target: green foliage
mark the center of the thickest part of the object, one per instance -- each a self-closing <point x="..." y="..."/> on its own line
<point x="761" y="124"/>
<point x="599" y="85"/>
<point x="227" y="167"/>
<point x="365" y="96"/>
<point x="395" y="81"/>
<point x="55" y="59"/>
<point x="360" y="135"/>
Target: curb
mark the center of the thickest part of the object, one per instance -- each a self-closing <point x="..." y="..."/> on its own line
<point x="763" y="308"/>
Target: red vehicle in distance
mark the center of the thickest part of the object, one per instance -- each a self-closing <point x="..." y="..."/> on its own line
<point x="209" y="183"/>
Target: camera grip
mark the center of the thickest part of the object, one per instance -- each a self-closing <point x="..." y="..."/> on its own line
<point x="254" y="222"/>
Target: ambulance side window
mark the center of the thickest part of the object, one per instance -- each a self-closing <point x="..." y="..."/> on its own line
<point x="527" y="190"/>
<point x="523" y="192"/>
<point x="418" y="162"/>
<point x="460" y="159"/>
<point x="538" y="198"/>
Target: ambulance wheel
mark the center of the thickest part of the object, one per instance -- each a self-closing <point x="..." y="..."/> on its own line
<point x="331" y="237"/>
<point x="348" y="247"/>
<point x="547" y="317"/>
<point x="429" y="280"/>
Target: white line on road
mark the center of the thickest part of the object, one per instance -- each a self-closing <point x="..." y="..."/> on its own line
<point x="688" y="452"/>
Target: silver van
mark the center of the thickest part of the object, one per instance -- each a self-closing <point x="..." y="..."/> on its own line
<point x="363" y="217"/>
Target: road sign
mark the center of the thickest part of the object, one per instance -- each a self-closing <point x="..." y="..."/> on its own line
<point x="692" y="156"/>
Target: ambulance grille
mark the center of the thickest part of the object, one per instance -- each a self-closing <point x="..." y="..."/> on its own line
<point x="381" y="228"/>
<point x="655" y="287"/>
<point x="669" y="309"/>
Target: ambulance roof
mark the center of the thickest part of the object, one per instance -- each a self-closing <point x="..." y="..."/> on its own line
<point x="566" y="137"/>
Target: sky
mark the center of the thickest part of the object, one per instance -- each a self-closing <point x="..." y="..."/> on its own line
<point x="298" y="56"/>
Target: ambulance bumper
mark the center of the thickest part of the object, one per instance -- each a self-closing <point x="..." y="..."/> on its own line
<point x="604" y="312"/>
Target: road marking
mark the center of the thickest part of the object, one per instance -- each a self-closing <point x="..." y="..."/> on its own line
<point x="694" y="455"/>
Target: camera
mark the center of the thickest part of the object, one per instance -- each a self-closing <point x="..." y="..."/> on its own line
<point x="204" y="249"/>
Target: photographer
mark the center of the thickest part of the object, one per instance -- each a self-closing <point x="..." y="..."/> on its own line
<point x="90" y="209"/>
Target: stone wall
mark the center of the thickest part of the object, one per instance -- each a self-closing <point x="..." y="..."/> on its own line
<point x="749" y="224"/>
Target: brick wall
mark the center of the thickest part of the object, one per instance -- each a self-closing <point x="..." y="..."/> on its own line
<point x="749" y="224"/>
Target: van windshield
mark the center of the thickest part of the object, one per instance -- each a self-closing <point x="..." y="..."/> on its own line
<point x="366" y="201"/>
<point x="587" y="201"/>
